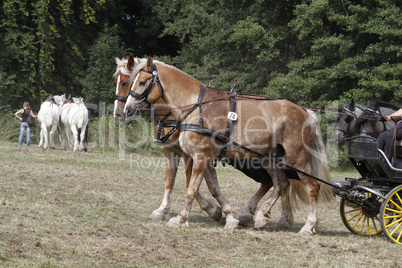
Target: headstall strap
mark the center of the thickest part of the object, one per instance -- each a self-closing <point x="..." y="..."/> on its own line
<point x="200" y="99"/>
<point x="144" y="96"/>
<point x="121" y="98"/>
<point x="229" y="128"/>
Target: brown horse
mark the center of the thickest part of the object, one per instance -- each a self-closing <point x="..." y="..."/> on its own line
<point x="263" y="128"/>
<point x="124" y="69"/>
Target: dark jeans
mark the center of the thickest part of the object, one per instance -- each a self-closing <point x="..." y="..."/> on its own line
<point x="385" y="140"/>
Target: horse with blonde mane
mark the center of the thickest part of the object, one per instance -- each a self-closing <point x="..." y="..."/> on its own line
<point x="211" y="126"/>
<point x="125" y="68"/>
<point x="48" y="116"/>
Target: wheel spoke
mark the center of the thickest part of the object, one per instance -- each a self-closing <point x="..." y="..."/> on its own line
<point x="392" y="223"/>
<point x="393" y="210"/>
<point x="400" y="200"/>
<point x="399" y="225"/>
<point x="399" y="237"/>
<point x="363" y="222"/>
<point x="358" y="220"/>
<point x="375" y="226"/>
<point x="351" y="205"/>
<point x="400" y="209"/>
<point x="353" y="210"/>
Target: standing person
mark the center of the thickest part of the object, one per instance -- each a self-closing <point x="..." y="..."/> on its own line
<point x="25" y="111"/>
<point x="385" y="138"/>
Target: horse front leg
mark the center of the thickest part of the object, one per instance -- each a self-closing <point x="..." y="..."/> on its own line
<point x="209" y="206"/>
<point x="172" y="163"/>
<point x="197" y="173"/>
<point x="213" y="186"/>
<point x="247" y="213"/>
<point x="280" y="183"/>
<point x="286" y="220"/>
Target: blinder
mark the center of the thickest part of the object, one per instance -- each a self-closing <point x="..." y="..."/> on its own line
<point x="144" y="96"/>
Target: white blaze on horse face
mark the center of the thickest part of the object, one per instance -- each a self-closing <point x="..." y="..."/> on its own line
<point x="130" y="98"/>
<point x="117" y="92"/>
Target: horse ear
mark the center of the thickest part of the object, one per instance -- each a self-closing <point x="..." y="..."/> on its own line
<point x="149" y="63"/>
<point x="352" y="105"/>
<point x="130" y="63"/>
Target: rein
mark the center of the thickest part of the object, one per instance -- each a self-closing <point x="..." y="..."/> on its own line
<point x="225" y="138"/>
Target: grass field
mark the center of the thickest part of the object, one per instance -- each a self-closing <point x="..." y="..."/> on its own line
<point x="65" y="209"/>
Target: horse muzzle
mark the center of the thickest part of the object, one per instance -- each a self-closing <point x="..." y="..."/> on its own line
<point x="133" y="108"/>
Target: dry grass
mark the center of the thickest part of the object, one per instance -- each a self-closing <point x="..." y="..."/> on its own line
<point x="65" y="209"/>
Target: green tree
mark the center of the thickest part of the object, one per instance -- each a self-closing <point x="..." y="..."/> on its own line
<point x="98" y="82"/>
<point x="347" y="49"/>
<point x="233" y="42"/>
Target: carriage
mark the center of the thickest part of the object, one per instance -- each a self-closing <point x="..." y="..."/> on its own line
<point x="372" y="204"/>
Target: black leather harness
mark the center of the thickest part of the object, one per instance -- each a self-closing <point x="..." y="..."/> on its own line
<point x="224" y="138"/>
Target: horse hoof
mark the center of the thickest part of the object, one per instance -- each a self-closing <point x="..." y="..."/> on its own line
<point x="177" y="223"/>
<point x="215" y="212"/>
<point x="284" y="222"/>
<point x="246" y="219"/>
<point x="158" y="216"/>
<point x="306" y="232"/>
<point x="260" y="220"/>
<point x="232" y="224"/>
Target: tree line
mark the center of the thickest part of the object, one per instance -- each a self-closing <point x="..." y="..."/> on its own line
<point x="311" y="52"/>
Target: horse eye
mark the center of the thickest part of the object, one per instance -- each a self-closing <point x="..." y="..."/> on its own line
<point x="142" y="83"/>
<point x="125" y="84"/>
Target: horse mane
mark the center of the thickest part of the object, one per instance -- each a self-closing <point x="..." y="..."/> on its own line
<point x="122" y="66"/>
<point x="143" y="63"/>
<point x="388" y="105"/>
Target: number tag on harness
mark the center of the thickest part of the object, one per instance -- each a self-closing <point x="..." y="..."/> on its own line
<point x="232" y="116"/>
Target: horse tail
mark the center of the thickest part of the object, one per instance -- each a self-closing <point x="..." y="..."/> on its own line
<point x="319" y="165"/>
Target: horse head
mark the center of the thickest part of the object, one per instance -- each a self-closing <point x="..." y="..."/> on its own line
<point x="142" y="95"/>
<point x="343" y="122"/>
<point x="124" y="71"/>
<point x="366" y="123"/>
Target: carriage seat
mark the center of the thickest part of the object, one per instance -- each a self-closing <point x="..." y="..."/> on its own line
<point x="398" y="161"/>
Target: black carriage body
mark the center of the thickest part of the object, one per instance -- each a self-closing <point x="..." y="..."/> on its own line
<point x="372" y="164"/>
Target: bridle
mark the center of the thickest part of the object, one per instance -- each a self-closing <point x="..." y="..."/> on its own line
<point x="159" y="122"/>
<point x="371" y="116"/>
<point x="144" y="96"/>
<point x="349" y="113"/>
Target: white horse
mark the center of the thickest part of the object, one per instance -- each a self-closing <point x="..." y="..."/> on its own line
<point x="48" y="116"/>
<point x="73" y="116"/>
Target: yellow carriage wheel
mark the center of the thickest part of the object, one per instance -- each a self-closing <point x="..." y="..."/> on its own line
<point x="363" y="218"/>
<point x="391" y="215"/>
